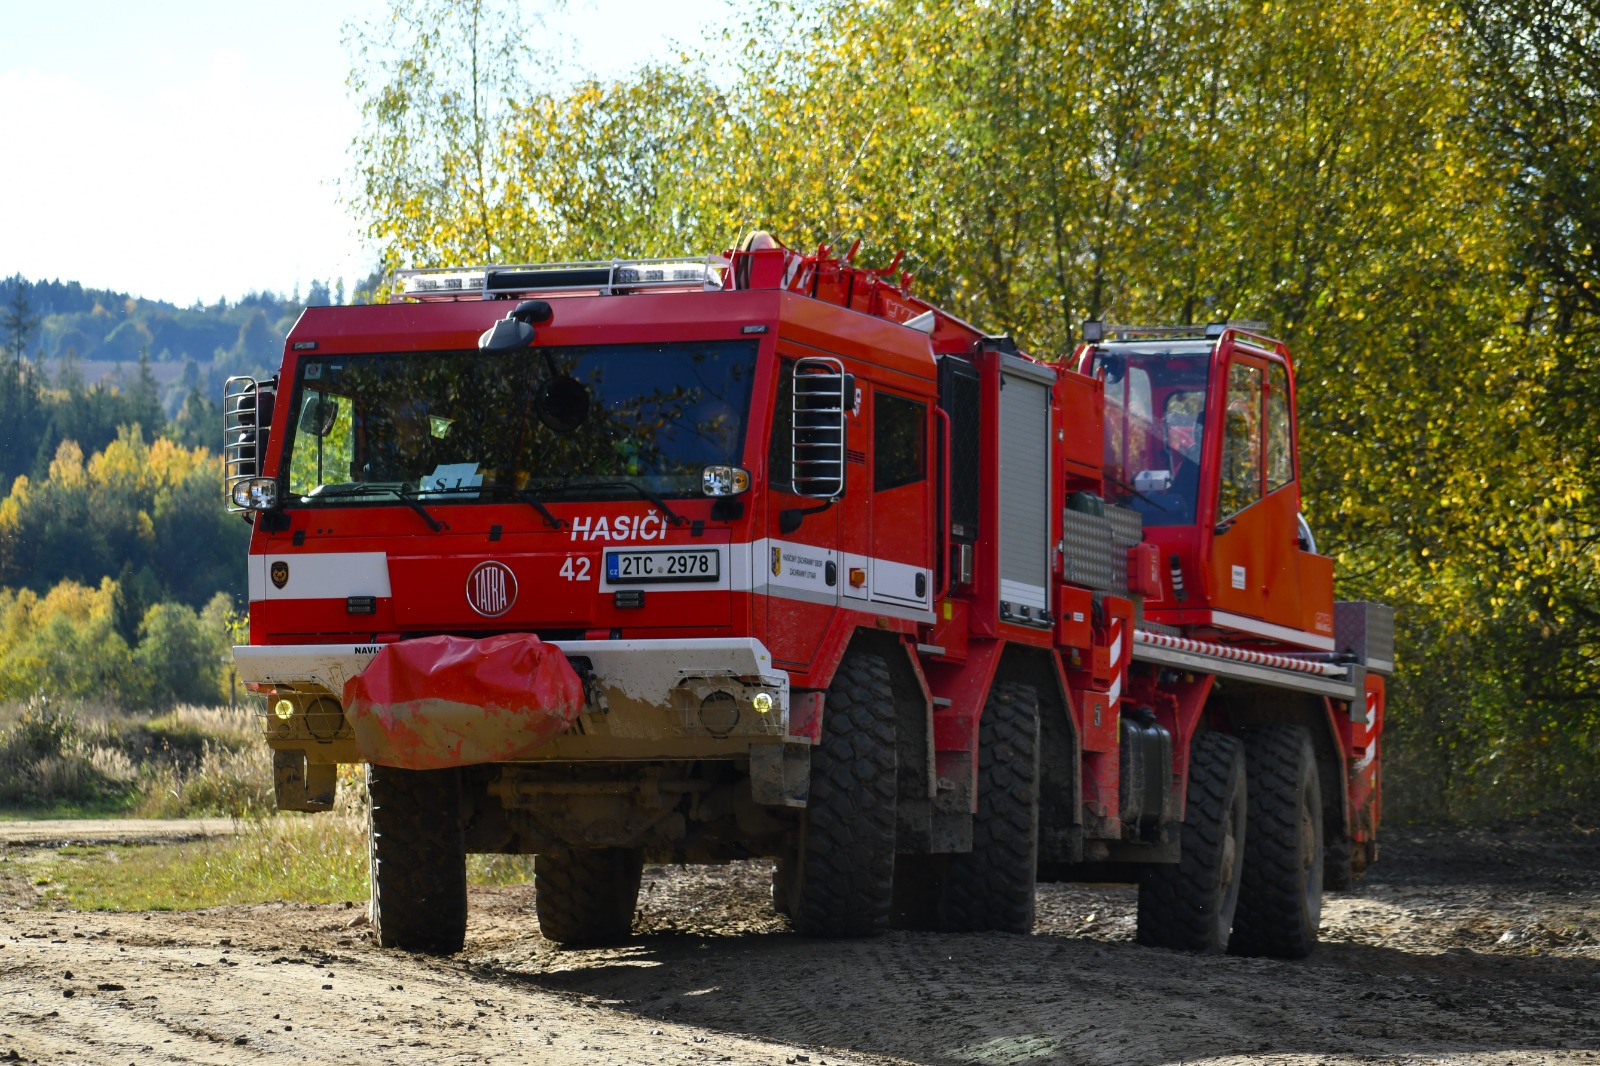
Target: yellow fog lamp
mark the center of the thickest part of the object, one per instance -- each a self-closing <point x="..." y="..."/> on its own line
<point x="762" y="702"/>
<point x="284" y="709"/>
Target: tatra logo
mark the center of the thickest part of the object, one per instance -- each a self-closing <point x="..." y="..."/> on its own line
<point x="491" y="589"/>
<point x="280" y="574"/>
<point x="777" y="561"/>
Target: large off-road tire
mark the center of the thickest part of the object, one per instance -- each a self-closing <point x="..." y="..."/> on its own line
<point x="990" y="888"/>
<point x="1280" y="891"/>
<point x="1338" y="868"/>
<point x="1190" y="905"/>
<point x="842" y="878"/>
<point x="587" y="896"/>
<point x="419" y="859"/>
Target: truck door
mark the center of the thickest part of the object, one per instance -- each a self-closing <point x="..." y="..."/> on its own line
<point x="900" y="568"/>
<point x="1255" y="538"/>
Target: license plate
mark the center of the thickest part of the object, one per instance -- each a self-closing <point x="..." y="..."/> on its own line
<point x="653" y="567"/>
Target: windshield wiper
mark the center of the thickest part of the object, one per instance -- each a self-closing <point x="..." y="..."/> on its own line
<point x="637" y="489"/>
<point x="365" y="488"/>
<point x="404" y="493"/>
<point x="511" y="490"/>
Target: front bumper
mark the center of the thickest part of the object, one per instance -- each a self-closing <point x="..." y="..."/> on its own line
<point x="709" y="697"/>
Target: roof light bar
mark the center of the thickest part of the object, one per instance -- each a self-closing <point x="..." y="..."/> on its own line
<point x="605" y="278"/>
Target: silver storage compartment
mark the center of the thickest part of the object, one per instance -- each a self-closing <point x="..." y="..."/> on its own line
<point x="1367" y="629"/>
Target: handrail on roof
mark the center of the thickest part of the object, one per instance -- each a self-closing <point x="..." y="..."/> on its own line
<point x="1209" y="331"/>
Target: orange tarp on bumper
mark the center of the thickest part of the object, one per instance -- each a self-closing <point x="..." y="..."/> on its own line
<point x="437" y="702"/>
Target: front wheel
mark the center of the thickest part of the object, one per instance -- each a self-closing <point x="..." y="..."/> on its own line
<point x="842" y="877"/>
<point x="1190" y="905"/>
<point x="419" y="859"/>
<point x="1280" y="892"/>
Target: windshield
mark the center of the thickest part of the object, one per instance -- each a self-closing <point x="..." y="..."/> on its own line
<point x="1155" y="414"/>
<point x="588" y="421"/>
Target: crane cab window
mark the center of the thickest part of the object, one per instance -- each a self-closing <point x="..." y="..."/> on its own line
<point x="1280" y="431"/>
<point x="1155" y="418"/>
<point x="1240" y="483"/>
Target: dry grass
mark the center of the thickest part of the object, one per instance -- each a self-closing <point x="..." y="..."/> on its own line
<point x="190" y="762"/>
<point x="236" y="783"/>
<point x="62" y="758"/>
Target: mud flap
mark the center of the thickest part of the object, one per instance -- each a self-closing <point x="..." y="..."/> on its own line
<point x="438" y="702"/>
<point x="300" y="785"/>
<point x="780" y="774"/>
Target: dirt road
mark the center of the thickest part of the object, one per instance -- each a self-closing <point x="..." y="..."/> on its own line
<point x="1461" y="948"/>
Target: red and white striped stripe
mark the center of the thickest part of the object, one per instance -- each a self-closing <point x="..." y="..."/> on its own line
<point x="1239" y="655"/>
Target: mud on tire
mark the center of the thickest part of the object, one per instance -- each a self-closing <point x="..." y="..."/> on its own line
<point x="842" y="876"/>
<point x="1280" y="891"/>
<point x="991" y="888"/>
<point x="587" y="895"/>
<point x="419" y="859"/>
<point x="1190" y="905"/>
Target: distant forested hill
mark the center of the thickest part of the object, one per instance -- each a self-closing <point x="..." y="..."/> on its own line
<point x="98" y="335"/>
<point x="121" y="574"/>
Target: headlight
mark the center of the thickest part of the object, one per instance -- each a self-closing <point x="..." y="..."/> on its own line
<point x="256" y="494"/>
<point x="724" y="480"/>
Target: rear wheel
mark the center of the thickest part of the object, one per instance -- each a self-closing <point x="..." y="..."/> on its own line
<point x="842" y="876"/>
<point x="419" y="859"/>
<point x="1338" y="866"/>
<point x="1280" y="892"/>
<point x="991" y="887"/>
<point x="1190" y="905"/>
<point x="587" y="895"/>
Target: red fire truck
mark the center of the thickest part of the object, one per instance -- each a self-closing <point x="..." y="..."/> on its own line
<point x="763" y="556"/>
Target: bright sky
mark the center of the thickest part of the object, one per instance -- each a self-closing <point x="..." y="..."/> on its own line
<point x="187" y="150"/>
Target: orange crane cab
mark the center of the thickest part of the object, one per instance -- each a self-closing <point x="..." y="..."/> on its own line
<point x="1201" y="442"/>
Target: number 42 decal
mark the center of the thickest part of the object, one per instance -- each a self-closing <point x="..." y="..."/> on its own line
<point x="575" y="568"/>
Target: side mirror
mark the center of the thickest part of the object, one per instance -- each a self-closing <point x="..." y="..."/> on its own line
<point x="506" y="335"/>
<point x="319" y="414"/>
<point x="823" y="396"/>
<point x="515" y="331"/>
<point x="562" y="403"/>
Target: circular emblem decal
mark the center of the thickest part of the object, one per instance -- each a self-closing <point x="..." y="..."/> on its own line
<point x="280" y="573"/>
<point x="491" y="589"/>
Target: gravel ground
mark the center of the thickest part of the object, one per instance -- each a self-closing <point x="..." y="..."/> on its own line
<point x="1460" y="947"/>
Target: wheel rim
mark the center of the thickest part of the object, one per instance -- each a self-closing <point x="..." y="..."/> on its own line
<point x="1232" y="863"/>
<point x="1311" y="859"/>
<point x="1230" y="855"/>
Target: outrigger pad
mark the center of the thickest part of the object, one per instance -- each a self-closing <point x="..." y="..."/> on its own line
<point x="437" y="702"/>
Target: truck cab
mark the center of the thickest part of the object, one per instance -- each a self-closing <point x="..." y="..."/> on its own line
<point x="1201" y="441"/>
